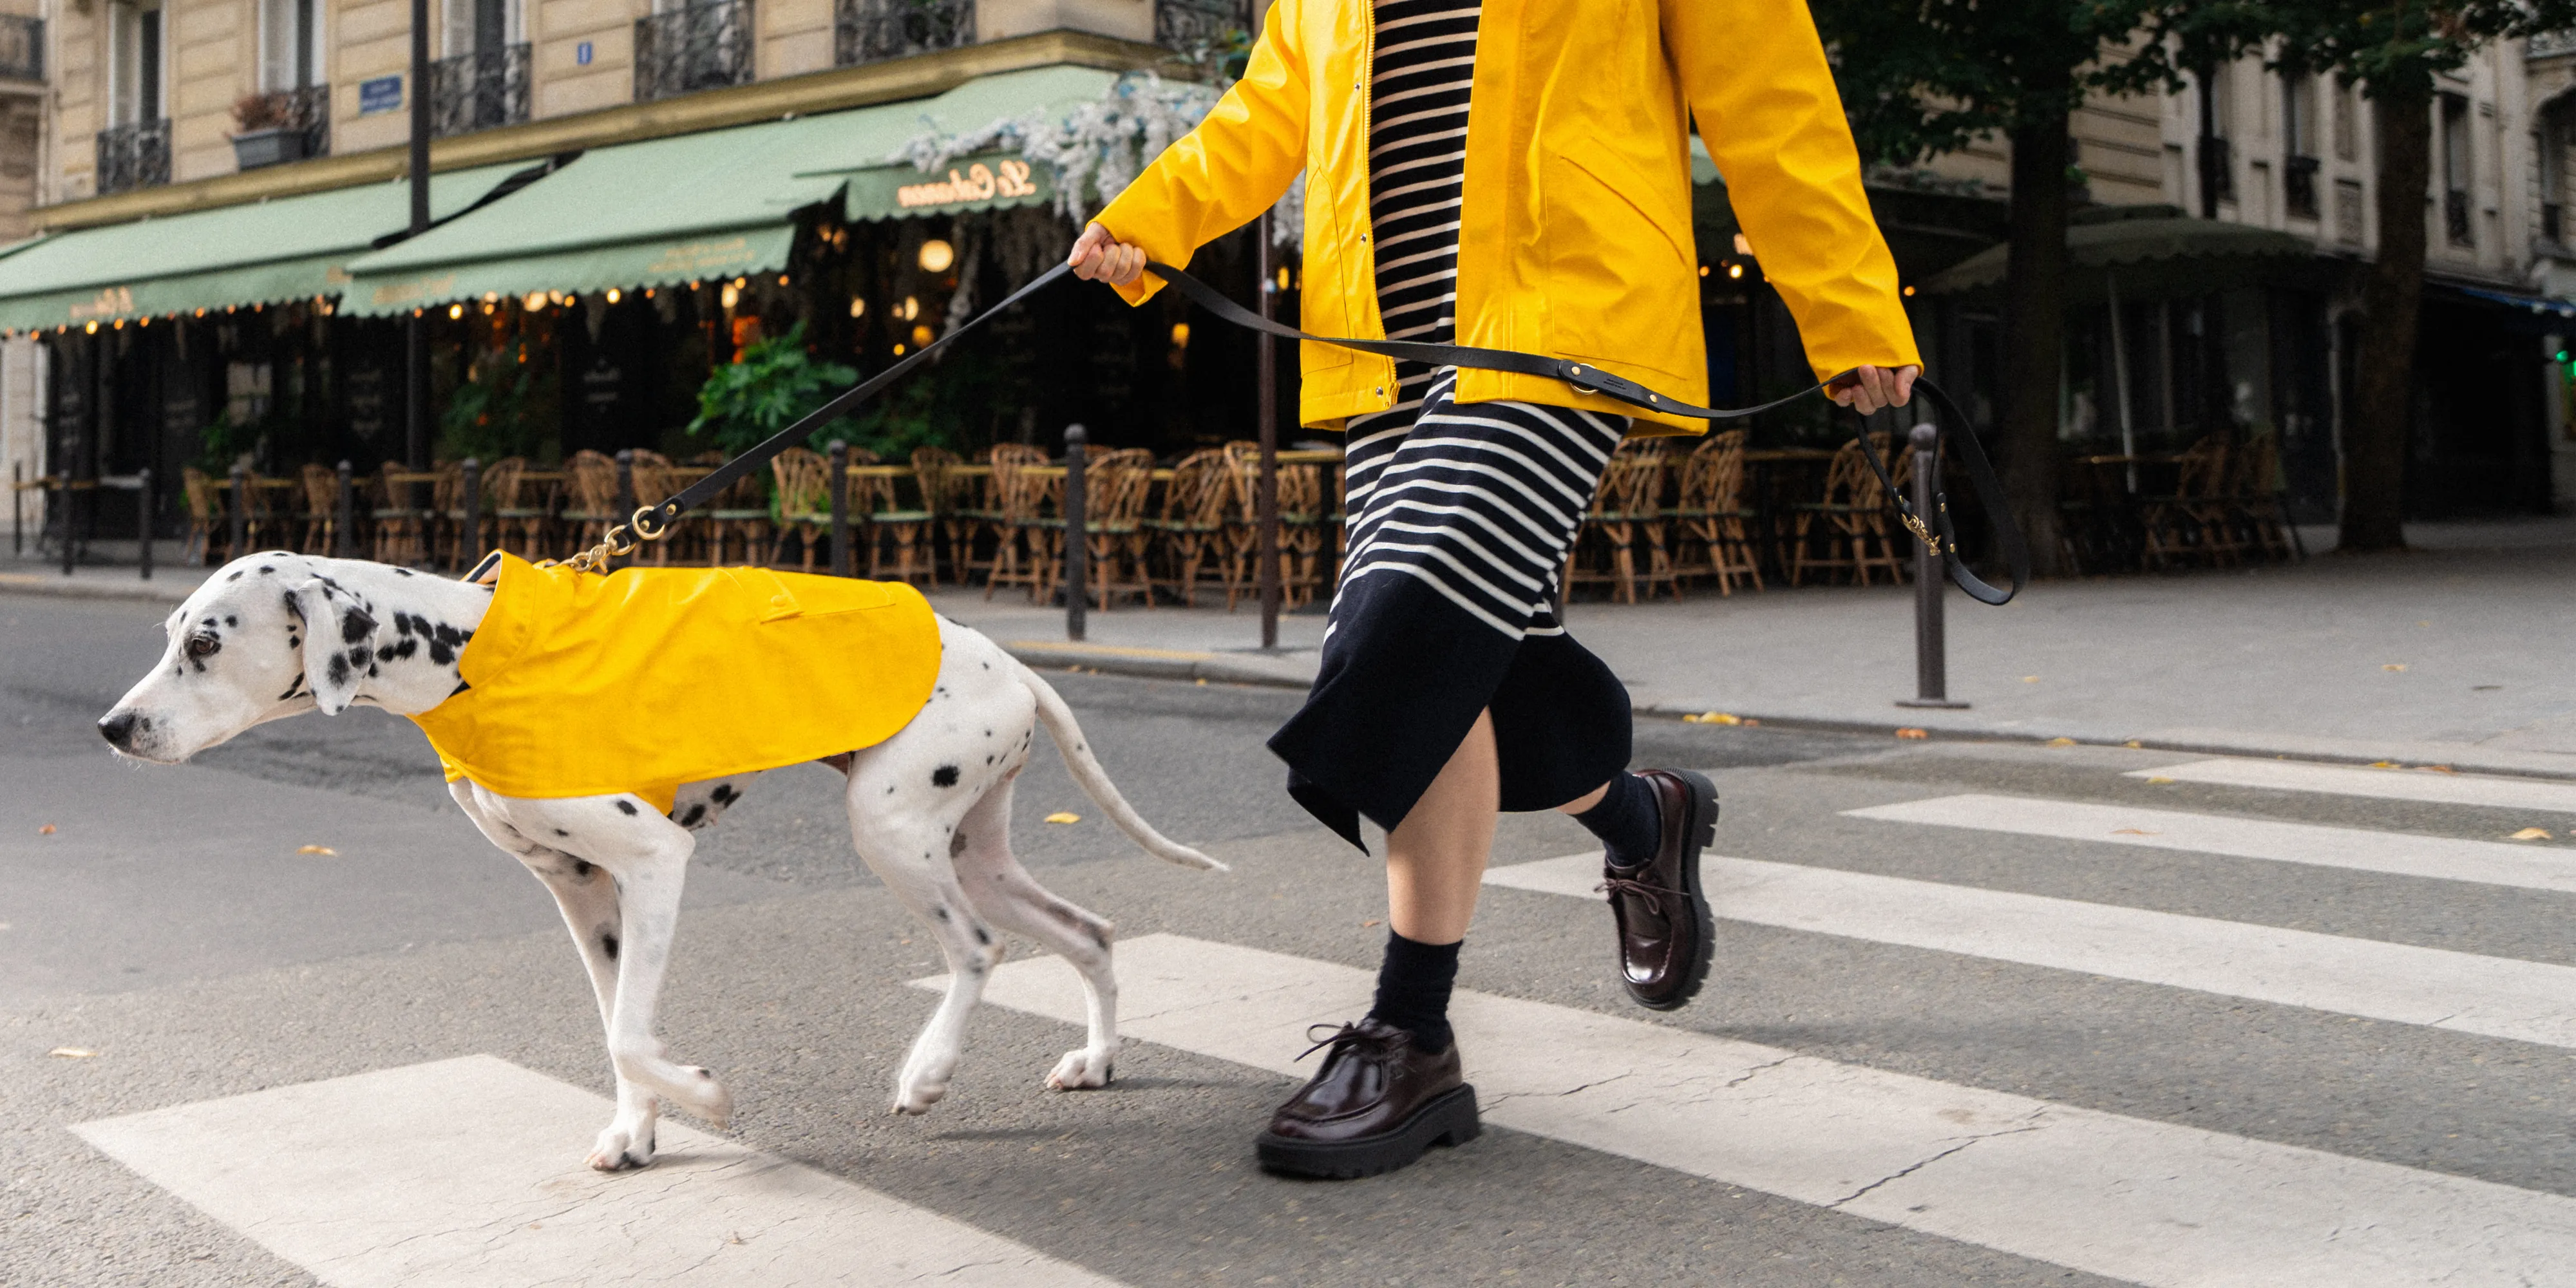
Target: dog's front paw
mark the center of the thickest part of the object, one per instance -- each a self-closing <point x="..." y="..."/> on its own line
<point x="1080" y="1070"/>
<point x="916" y="1096"/>
<point x="623" y="1148"/>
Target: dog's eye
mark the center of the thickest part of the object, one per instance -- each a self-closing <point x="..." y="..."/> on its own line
<point x="203" y="645"/>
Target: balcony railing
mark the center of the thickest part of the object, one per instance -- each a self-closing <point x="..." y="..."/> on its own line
<point x="2217" y="169"/>
<point x="308" y="112"/>
<point x="2550" y="44"/>
<point x="1200" y="28"/>
<point x="693" y="47"/>
<point x="479" y="90"/>
<point x="2299" y="186"/>
<point x="134" y="156"/>
<point x="867" y="31"/>
<point x="2455" y="217"/>
<point x="22" y="47"/>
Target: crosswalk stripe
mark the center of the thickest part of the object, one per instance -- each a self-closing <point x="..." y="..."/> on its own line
<point x="469" y="1172"/>
<point x="2494" y="996"/>
<point x="2441" y="857"/>
<point x="2150" y="1202"/>
<point x="2385" y="784"/>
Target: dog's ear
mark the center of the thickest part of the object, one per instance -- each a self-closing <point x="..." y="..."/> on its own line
<point x="339" y="642"/>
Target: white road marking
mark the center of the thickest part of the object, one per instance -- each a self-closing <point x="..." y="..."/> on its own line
<point x="2441" y="857"/>
<point x="2494" y="996"/>
<point x="2145" y="1201"/>
<point x="469" y="1172"/>
<point x="2385" y="784"/>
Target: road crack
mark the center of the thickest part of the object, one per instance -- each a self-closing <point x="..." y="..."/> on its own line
<point x="1909" y="1171"/>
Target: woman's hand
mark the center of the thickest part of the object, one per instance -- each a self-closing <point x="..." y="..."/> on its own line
<point x="1099" y="257"/>
<point x="1876" y="387"/>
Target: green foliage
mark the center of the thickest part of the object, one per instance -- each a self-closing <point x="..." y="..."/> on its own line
<point x="496" y="409"/>
<point x="1929" y="76"/>
<point x="2387" y="48"/>
<point x="220" y="442"/>
<point x="772" y="384"/>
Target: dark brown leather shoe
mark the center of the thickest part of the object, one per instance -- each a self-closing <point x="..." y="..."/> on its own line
<point x="1666" y="935"/>
<point x="1377" y="1103"/>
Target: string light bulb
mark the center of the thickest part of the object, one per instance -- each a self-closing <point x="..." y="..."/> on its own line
<point x="732" y="295"/>
<point x="455" y="311"/>
<point x="613" y="295"/>
<point x="937" y="255"/>
<point x="858" y="307"/>
<point x="921" y="334"/>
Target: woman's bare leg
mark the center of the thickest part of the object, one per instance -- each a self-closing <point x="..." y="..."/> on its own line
<point x="1435" y="858"/>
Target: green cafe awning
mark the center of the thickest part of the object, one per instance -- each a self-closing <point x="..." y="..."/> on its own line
<point x="712" y="205"/>
<point x="264" y="252"/>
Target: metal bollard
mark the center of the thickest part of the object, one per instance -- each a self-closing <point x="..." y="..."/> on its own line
<point x="469" y="537"/>
<point x="344" y="533"/>
<point x="240" y="512"/>
<point x="143" y="506"/>
<point x="17" y="509"/>
<point x="1931" y="655"/>
<point x="1077" y="532"/>
<point x="839" y="458"/>
<point x="625" y="499"/>
<point x="63" y="491"/>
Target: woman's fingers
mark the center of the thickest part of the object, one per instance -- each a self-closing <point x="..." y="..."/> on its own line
<point x="1099" y="257"/>
<point x="1875" y="388"/>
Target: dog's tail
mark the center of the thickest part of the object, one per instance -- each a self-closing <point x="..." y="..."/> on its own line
<point x="1095" y="780"/>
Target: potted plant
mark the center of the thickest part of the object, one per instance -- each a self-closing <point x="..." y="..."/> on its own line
<point x="267" y="132"/>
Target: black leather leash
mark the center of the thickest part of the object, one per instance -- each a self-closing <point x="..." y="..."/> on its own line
<point x="652" y="522"/>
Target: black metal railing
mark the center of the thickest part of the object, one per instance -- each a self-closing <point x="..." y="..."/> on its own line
<point x="1200" y="28"/>
<point x="22" y="47"/>
<point x="2299" y="186"/>
<point x="867" y="31"/>
<point x="133" y="156"/>
<point x="694" y="47"/>
<point x="2455" y="217"/>
<point x="479" y="90"/>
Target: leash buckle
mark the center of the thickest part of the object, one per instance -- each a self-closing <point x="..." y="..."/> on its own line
<point x="1921" y="530"/>
<point x="619" y="541"/>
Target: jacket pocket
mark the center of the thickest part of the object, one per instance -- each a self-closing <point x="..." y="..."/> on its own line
<point x="1620" y="271"/>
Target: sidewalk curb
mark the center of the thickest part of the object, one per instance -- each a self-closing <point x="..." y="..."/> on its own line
<point x="56" y="587"/>
<point x="1292" y="671"/>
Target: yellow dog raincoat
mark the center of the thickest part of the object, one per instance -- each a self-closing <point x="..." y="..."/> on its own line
<point x="639" y="681"/>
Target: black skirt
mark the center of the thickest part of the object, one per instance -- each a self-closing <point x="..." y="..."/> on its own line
<point x="1460" y="518"/>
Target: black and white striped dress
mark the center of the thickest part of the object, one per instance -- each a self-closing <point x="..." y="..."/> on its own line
<point x="1459" y="516"/>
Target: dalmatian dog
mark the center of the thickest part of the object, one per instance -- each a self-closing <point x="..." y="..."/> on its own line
<point x="274" y="635"/>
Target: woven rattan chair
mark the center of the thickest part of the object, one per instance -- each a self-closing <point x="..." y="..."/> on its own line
<point x="1626" y="512"/>
<point x="944" y="492"/>
<point x="803" y="500"/>
<point x="738" y="513"/>
<point x="402" y="524"/>
<point x="1852" y="519"/>
<point x="1190" y="526"/>
<point x="1031" y="529"/>
<point x="898" y="533"/>
<point x="594" y="498"/>
<point x="320" y="488"/>
<point x="1116" y="487"/>
<point x="2190" y="523"/>
<point x="2254" y="490"/>
<point x="197" y="491"/>
<point x="500" y="479"/>
<point x="1712" y="515"/>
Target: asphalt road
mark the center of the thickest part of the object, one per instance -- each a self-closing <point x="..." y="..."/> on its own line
<point x="168" y="924"/>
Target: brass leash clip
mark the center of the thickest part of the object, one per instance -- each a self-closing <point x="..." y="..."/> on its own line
<point x="614" y="543"/>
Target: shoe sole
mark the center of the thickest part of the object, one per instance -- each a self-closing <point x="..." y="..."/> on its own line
<point x="1701" y="834"/>
<point x="1448" y="1120"/>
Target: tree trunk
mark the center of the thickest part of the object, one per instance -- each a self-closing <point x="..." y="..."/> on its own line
<point x="2374" y="444"/>
<point x="2034" y="336"/>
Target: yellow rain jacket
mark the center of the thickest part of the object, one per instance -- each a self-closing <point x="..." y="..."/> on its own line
<point x="1575" y="235"/>
<point x="639" y="681"/>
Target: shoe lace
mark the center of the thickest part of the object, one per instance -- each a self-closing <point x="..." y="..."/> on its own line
<point x="1653" y="895"/>
<point x="1345" y="1035"/>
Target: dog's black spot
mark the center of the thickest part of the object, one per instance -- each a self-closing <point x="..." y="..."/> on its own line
<point x="944" y="776"/>
<point x="983" y="936"/>
<point x="608" y="945"/>
<point x="265" y="569"/>
<point x="560" y="832"/>
<point x="724" y="794"/>
<point x="230" y="620"/>
<point x="235" y="577"/>
<point x="355" y="625"/>
<point x="695" y="813"/>
<point x="1100" y="936"/>
<point x="956" y="845"/>
<point x="402" y="572"/>
<point x="940" y="911"/>
<point x="625" y="807"/>
<point x="339" y="669"/>
<point x="291" y="688"/>
<point x="580" y="867"/>
<point x="988" y="760"/>
<point x="292" y="641"/>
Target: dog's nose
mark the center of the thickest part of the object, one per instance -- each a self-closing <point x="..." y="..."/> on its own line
<point x="118" y="728"/>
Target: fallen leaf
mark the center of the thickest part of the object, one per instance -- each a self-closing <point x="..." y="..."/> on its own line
<point x="1751" y="721"/>
<point x="1062" y="816"/>
<point x="2134" y="743"/>
<point x="2133" y="831"/>
<point x="1912" y="733"/>
<point x="2061" y="742"/>
<point x="74" y="1053"/>
<point x="2030" y="679"/>
<point x="2531" y="834"/>
<point x="1712" y="717"/>
<point x="2160" y="780"/>
<point x="2394" y="666"/>
<point x="2376" y="764"/>
<point x="2423" y="623"/>
<point x="317" y="849"/>
<point x="46" y="830"/>
<point x="1368" y="923"/>
<point x="2437" y="769"/>
<point x="1202" y="683"/>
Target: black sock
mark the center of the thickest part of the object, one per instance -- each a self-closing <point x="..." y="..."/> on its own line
<point x="1628" y="821"/>
<point x="1413" y="990"/>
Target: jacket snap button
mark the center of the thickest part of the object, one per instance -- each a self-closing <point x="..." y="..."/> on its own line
<point x="778" y="601"/>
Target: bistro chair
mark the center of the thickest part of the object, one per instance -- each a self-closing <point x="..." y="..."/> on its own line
<point x="1306" y="516"/>
<point x="1853" y="517"/>
<point x="739" y="512"/>
<point x="982" y="517"/>
<point x="1243" y="526"/>
<point x="2191" y="521"/>
<point x="803" y="500"/>
<point x="516" y="503"/>
<point x="204" y="515"/>
<point x="2254" y="494"/>
<point x="943" y="493"/>
<point x="1030" y="530"/>
<point x="1712" y="515"/>
<point x="1191" y="524"/>
<point x="402" y="525"/>
<point x="907" y="531"/>
<point x="1115" y="489"/>
<point x="499" y="479"/>
<point x="594" y="498"/>
<point x="655" y="479"/>
<point x="1626" y="510"/>
<point x="321" y="509"/>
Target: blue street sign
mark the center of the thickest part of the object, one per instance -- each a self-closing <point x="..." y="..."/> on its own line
<point x="383" y="94"/>
<point x="581" y="53"/>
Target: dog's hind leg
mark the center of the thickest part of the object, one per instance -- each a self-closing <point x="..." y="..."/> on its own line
<point x="908" y="850"/>
<point x="1008" y="897"/>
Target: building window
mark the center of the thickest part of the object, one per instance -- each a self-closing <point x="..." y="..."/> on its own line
<point x="483" y="81"/>
<point x="2299" y="162"/>
<point x="2347" y="122"/>
<point x="867" y="31"/>
<point x="134" y="151"/>
<point x="690" y="47"/>
<point x="2348" y="212"/>
<point x="290" y="43"/>
<point x="2458" y="174"/>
